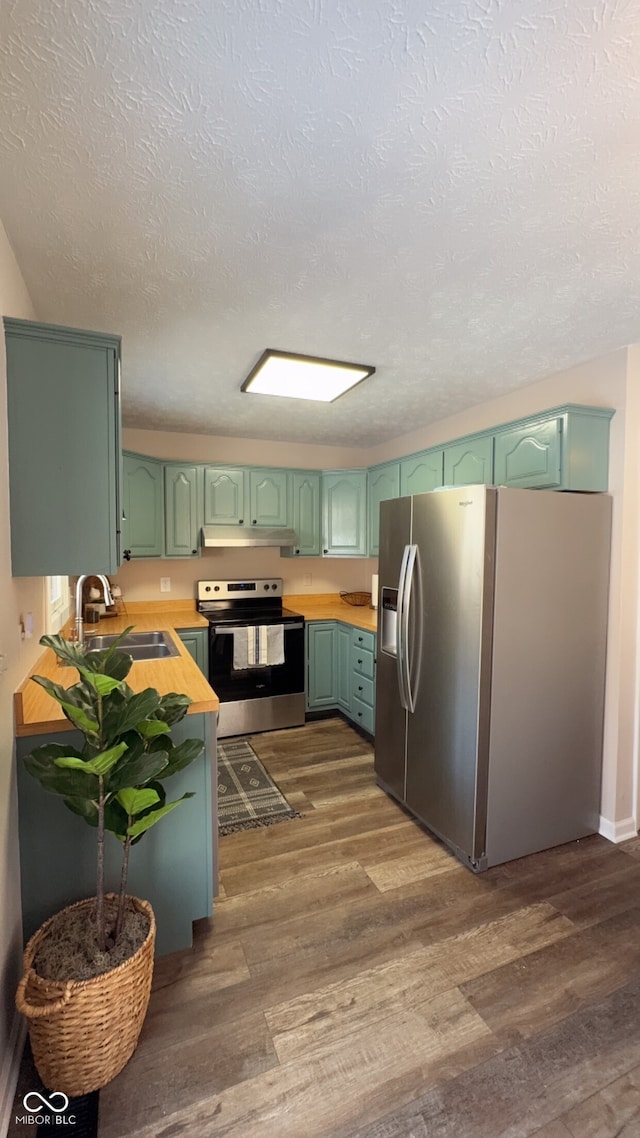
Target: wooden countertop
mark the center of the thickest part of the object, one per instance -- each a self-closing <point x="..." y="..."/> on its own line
<point x="38" y="714"/>
<point x="330" y="606"/>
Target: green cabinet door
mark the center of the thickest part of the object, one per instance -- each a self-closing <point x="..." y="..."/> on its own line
<point x="196" y="641"/>
<point x="182" y="511"/>
<point x="382" y="482"/>
<point x="422" y="472"/>
<point x="469" y="463"/>
<point x="63" y="410"/>
<point x="343" y="666"/>
<point x="321" y="664"/>
<point x="529" y="456"/>
<point x="174" y="866"/>
<point x="268" y="497"/>
<point x="344" y="513"/>
<point x="304" y="513"/>
<point x="223" y="496"/>
<point x="142" y="506"/>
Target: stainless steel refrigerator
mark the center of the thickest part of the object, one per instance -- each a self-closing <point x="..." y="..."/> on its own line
<point x="490" y="675"/>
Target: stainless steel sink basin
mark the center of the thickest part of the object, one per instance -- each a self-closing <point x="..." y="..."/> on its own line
<point x="139" y="645"/>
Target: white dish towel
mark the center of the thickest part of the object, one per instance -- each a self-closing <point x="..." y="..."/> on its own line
<point x="258" y="646"/>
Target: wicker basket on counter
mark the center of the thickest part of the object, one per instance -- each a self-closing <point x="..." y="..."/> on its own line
<point x="356" y="598"/>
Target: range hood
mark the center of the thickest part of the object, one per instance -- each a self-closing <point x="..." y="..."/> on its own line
<point x="245" y="537"/>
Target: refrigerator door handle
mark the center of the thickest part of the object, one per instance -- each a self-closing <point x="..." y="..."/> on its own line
<point x="407" y="593"/>
<point x="401" y="643"/>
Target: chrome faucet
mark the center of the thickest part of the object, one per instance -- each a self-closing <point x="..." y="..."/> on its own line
<point x="108" y="600"/>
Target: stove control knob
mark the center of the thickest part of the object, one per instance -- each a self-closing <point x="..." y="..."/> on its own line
<point x="274" y="586"/>
<point x="207" y="588"/>
<point x="266" y="587"/>
<point x="216" y="588"/>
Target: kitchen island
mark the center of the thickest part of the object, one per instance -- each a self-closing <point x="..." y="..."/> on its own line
<point x="175" y="865"/>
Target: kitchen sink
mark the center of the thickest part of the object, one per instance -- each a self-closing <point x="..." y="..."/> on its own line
<point x="138" y="645"/>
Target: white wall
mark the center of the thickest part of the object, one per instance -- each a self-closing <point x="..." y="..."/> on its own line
<point x="16" y="657"/>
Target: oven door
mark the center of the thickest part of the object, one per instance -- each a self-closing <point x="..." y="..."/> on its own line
<point x="231" y="685"/>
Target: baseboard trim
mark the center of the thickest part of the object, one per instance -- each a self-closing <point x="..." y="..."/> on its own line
<point x="10" y="1071"/>
<point x="618" y="831"/>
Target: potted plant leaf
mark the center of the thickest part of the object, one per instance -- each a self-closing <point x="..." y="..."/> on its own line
<point x="87" y="970"/>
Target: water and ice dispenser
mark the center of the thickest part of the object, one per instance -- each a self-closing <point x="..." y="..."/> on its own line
<point x="389" y="621"/>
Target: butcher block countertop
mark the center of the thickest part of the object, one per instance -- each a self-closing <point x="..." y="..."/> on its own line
<point x="38" y="714"/>
<point x="330" y="606"/>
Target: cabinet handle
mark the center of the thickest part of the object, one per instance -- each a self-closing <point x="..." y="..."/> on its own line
<point x="254" y="522"/>
<point x="297" y="552"/>
<point x="240" y="521"/>
<point x="359" y="661"/>
<point x="360" y="639"/>
<point x="325" y="550"/>
<point x="359" y="715"/>
<point x="127" y="554"/>
<point x="359" y="687"/>
<point x="194" y="551"/>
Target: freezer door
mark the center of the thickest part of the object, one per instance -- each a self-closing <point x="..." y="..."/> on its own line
<point x="391" y="718"/>
<point x="448" y="734"/>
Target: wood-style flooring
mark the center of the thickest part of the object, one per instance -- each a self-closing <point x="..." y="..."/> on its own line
<point x="356" y="981"/>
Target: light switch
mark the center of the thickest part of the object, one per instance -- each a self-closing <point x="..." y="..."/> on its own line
<point x="165" y="584"/>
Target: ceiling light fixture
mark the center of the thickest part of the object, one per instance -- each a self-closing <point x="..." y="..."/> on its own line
<point x="303" y="377"/>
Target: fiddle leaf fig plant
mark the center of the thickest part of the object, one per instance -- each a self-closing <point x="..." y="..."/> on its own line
<point x="115" y="780"/>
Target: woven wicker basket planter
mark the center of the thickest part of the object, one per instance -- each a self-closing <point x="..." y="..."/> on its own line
<point x="82" y="1032"/>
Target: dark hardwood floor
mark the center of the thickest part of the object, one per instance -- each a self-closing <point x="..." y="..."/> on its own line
<point x="357" y="982"/>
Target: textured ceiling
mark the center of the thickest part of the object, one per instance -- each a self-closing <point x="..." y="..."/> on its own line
<point x="449" y="191"/>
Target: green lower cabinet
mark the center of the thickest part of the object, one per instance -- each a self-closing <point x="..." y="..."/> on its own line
<point x="469" y="463"/>
<point x="363" y="670"/>
<point x="196" y="641"/>
<point x="341" y="670"/>
<point x="321" y="664"/>
<point x="174" y="866"/>
<point x="343" y="667"/>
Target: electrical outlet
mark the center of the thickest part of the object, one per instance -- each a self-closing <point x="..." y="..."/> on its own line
<point x="307" y="578"/>
<point x="165" y="584"/>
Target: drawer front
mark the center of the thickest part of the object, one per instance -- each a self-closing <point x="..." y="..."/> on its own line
<point x="362" y="662"/>
<point x="362" y="715"/>
<point x="363" y="690"/>
<point x="363" y="639"/>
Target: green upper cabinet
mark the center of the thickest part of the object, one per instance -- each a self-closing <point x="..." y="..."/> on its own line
<point x="304" y="513"/>
<point x="568" y="450"/>
<point x="182" y="510"/>
<point x="142" y="506"/>
<point x="224" y="496"/>
<point x="344" y="513"/>
<point x="63" y="408"/>
<point x="529" y="456"/>
<point x="268" y="498"/>
<point x="470" y="462"/>
<point x="422" y="472"/>
<point x="382" y="482"/>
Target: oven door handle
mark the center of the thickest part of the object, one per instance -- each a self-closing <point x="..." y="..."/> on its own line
<point x="226" y="631"/>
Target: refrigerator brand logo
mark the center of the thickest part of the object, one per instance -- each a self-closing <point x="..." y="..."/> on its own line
<point x="467" y="502"/>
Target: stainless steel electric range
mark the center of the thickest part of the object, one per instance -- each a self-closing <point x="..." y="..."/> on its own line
<point x="256" y="655"/>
